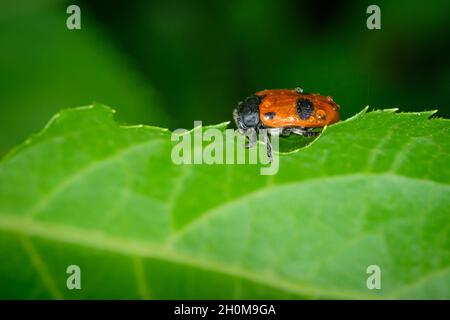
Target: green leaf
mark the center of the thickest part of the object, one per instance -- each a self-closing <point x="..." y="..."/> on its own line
<point x="372" y="190"/>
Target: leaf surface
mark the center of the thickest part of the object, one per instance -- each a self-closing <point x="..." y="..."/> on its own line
<point x="372" y="190"/>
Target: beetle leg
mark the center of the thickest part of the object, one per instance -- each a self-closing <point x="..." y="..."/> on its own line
<point x="269" y="146"/>
<point x="286" y="131"/>
<point x="303" y="132"/>
<point x="251" y="135"/>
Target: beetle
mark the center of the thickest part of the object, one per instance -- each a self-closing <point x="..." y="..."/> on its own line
<point x="284" y="111"/>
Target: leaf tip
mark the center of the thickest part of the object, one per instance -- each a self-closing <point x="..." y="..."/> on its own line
<point x="356" y="116"/>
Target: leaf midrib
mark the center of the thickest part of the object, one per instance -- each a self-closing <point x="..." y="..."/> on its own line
<point x="97" y="239"/>
<point x="135" y="248"/>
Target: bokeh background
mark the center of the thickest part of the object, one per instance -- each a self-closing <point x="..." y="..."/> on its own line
<point x="168" y="63"/>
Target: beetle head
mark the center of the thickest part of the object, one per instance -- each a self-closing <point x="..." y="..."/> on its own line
<point x="246" y="115"/>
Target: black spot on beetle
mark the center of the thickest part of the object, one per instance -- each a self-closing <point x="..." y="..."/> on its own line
<point x="269" y="115"/>
<point x="305" y="108"/>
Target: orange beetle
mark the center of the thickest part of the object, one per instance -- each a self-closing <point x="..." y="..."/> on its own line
<point x="286" y="111"/>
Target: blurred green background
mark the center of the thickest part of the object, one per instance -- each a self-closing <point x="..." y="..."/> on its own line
<point x="168" y="63"/>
